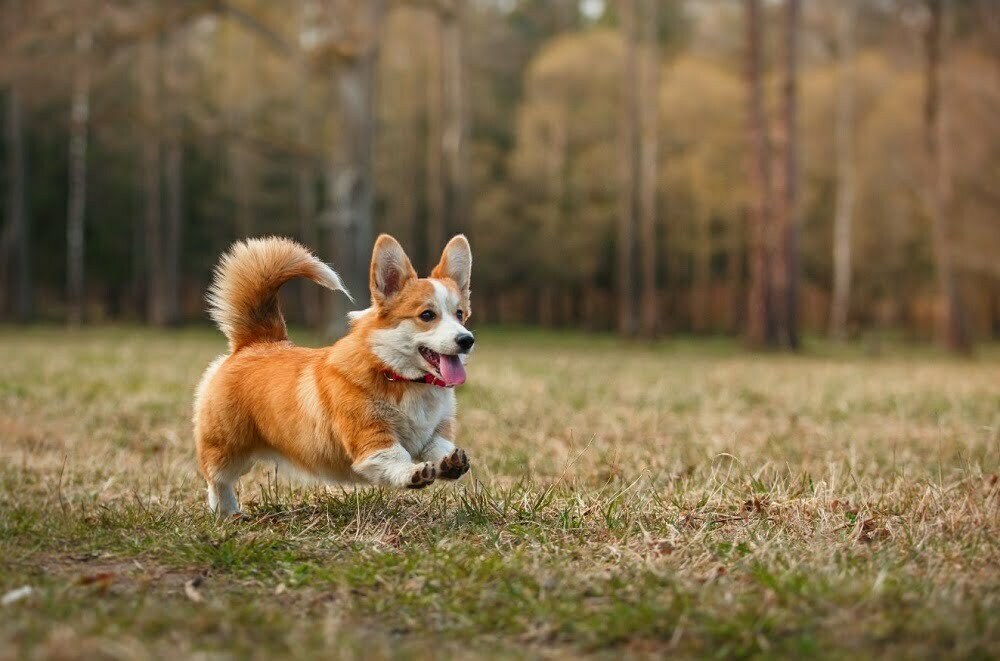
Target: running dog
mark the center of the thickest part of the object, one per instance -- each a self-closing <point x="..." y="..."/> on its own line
<point x="376" y="407"/>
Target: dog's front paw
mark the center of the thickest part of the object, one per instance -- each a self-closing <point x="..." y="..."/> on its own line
<point x="455" y="465"/>
<point x="423" y="474"/>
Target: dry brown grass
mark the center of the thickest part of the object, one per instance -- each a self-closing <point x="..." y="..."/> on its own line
<point x="683" y="498"/>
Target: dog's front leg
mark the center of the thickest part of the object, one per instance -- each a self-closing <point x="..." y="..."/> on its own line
<point x="393" y="466"/>
<point x="452" y="462"/>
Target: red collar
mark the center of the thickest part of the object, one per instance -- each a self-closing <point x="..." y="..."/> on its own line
<point x="426" y="378"/>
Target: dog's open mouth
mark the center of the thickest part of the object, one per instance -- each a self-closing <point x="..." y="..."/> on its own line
<point x="448" y="367"/>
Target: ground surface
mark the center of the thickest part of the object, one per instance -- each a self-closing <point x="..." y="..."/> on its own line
<point x="686" y="499"/>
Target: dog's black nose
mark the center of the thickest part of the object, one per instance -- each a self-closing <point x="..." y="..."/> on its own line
<point x="465" y="341"/>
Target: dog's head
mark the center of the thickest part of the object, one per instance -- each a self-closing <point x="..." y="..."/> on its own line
<point x="418" y="324"/>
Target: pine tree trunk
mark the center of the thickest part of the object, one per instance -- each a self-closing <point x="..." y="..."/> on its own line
<point x="648" y="148"/>
<point x="628" y="171"/>
<point x="17" y="215"/>
<point x="79" y="124"/>
<point x="954" y="325"/>
<point x="759" y="331"/>
<point x="844" y="214"/>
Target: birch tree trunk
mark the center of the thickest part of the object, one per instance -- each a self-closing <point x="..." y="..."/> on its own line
<point x="306" y="174"/>
<point x="79" y="121"/>
<point x="453" y="136"/>
<point x="955" y="331"/>
<point x="628" y="170"/>
<point x="445" y="127"/>
<point x="759" y="330"/>
<point x="18" y="228"/>
<point x="435" y="194"/>
<point x="844" y="214"/>
<point x="351" y="185"/>
<point x="648" y="153"/>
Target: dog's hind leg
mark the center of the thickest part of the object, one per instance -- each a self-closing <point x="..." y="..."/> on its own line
<point x="221" y="488"/>
<point x="222" y="499"/>
<point x="222" y="473"/>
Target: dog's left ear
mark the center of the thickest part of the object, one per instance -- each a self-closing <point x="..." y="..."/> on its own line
<point x="456" y="263"/>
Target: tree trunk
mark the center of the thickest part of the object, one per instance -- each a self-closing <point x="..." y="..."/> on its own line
<point x="435" y="142"/>
<point x="453" y="133"/>
<point x="138" y="274"/>
<point x="79" y="121"/>
<point x="174" y="171"/>
<point x="785" y="259"/>
<point x="702" y="271"/>
<point x="954" y="324"/>
<point x="174" y="181"/>
<point x="445" y="128"/>
<point x="649" y="110"/>
<point x="628" y="170"/>
<point x="156" y="312"/>
<point x="307" y="204"/>
<point x="19" y="247"/>
<point x="759" y="331"/>
<point x="242" y="179"/>
<point x="351" y="187"/>
<point x="240" y="160"/>
<point x="734" y="275"/>
<point x="844" y="129"/>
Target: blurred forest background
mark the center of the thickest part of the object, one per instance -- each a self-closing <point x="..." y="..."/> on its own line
<point x="753" y="167"/>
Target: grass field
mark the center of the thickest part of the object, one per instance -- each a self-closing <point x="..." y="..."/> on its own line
<point x="684" y="499"/>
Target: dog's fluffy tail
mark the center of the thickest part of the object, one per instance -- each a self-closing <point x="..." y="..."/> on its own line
<point x="243" y="298"/>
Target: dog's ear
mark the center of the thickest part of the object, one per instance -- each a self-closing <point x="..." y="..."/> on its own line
<point x="456" y="263"/>
<point x="390" y="271"/>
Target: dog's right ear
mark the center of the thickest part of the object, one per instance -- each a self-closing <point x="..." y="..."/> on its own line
<point x="390" y="270"/>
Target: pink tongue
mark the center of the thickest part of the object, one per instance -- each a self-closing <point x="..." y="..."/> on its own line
<point x="452" y="370"/>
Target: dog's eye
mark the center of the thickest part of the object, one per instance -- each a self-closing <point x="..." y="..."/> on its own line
<point x="459" y="314"/>
<point x="427" y="315"/>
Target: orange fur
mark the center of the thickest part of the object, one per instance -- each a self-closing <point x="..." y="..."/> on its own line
<point x="324" y="410"/>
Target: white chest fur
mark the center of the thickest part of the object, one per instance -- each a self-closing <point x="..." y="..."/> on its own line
<point x="419" y="413"/>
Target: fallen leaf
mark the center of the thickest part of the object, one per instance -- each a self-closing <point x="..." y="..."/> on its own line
<point x="756" y="504"/>
<point x="102" y="579"/>
<point x="870" y="530"/>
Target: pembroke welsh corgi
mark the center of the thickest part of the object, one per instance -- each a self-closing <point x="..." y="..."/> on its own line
<point x="376" y="407"/>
